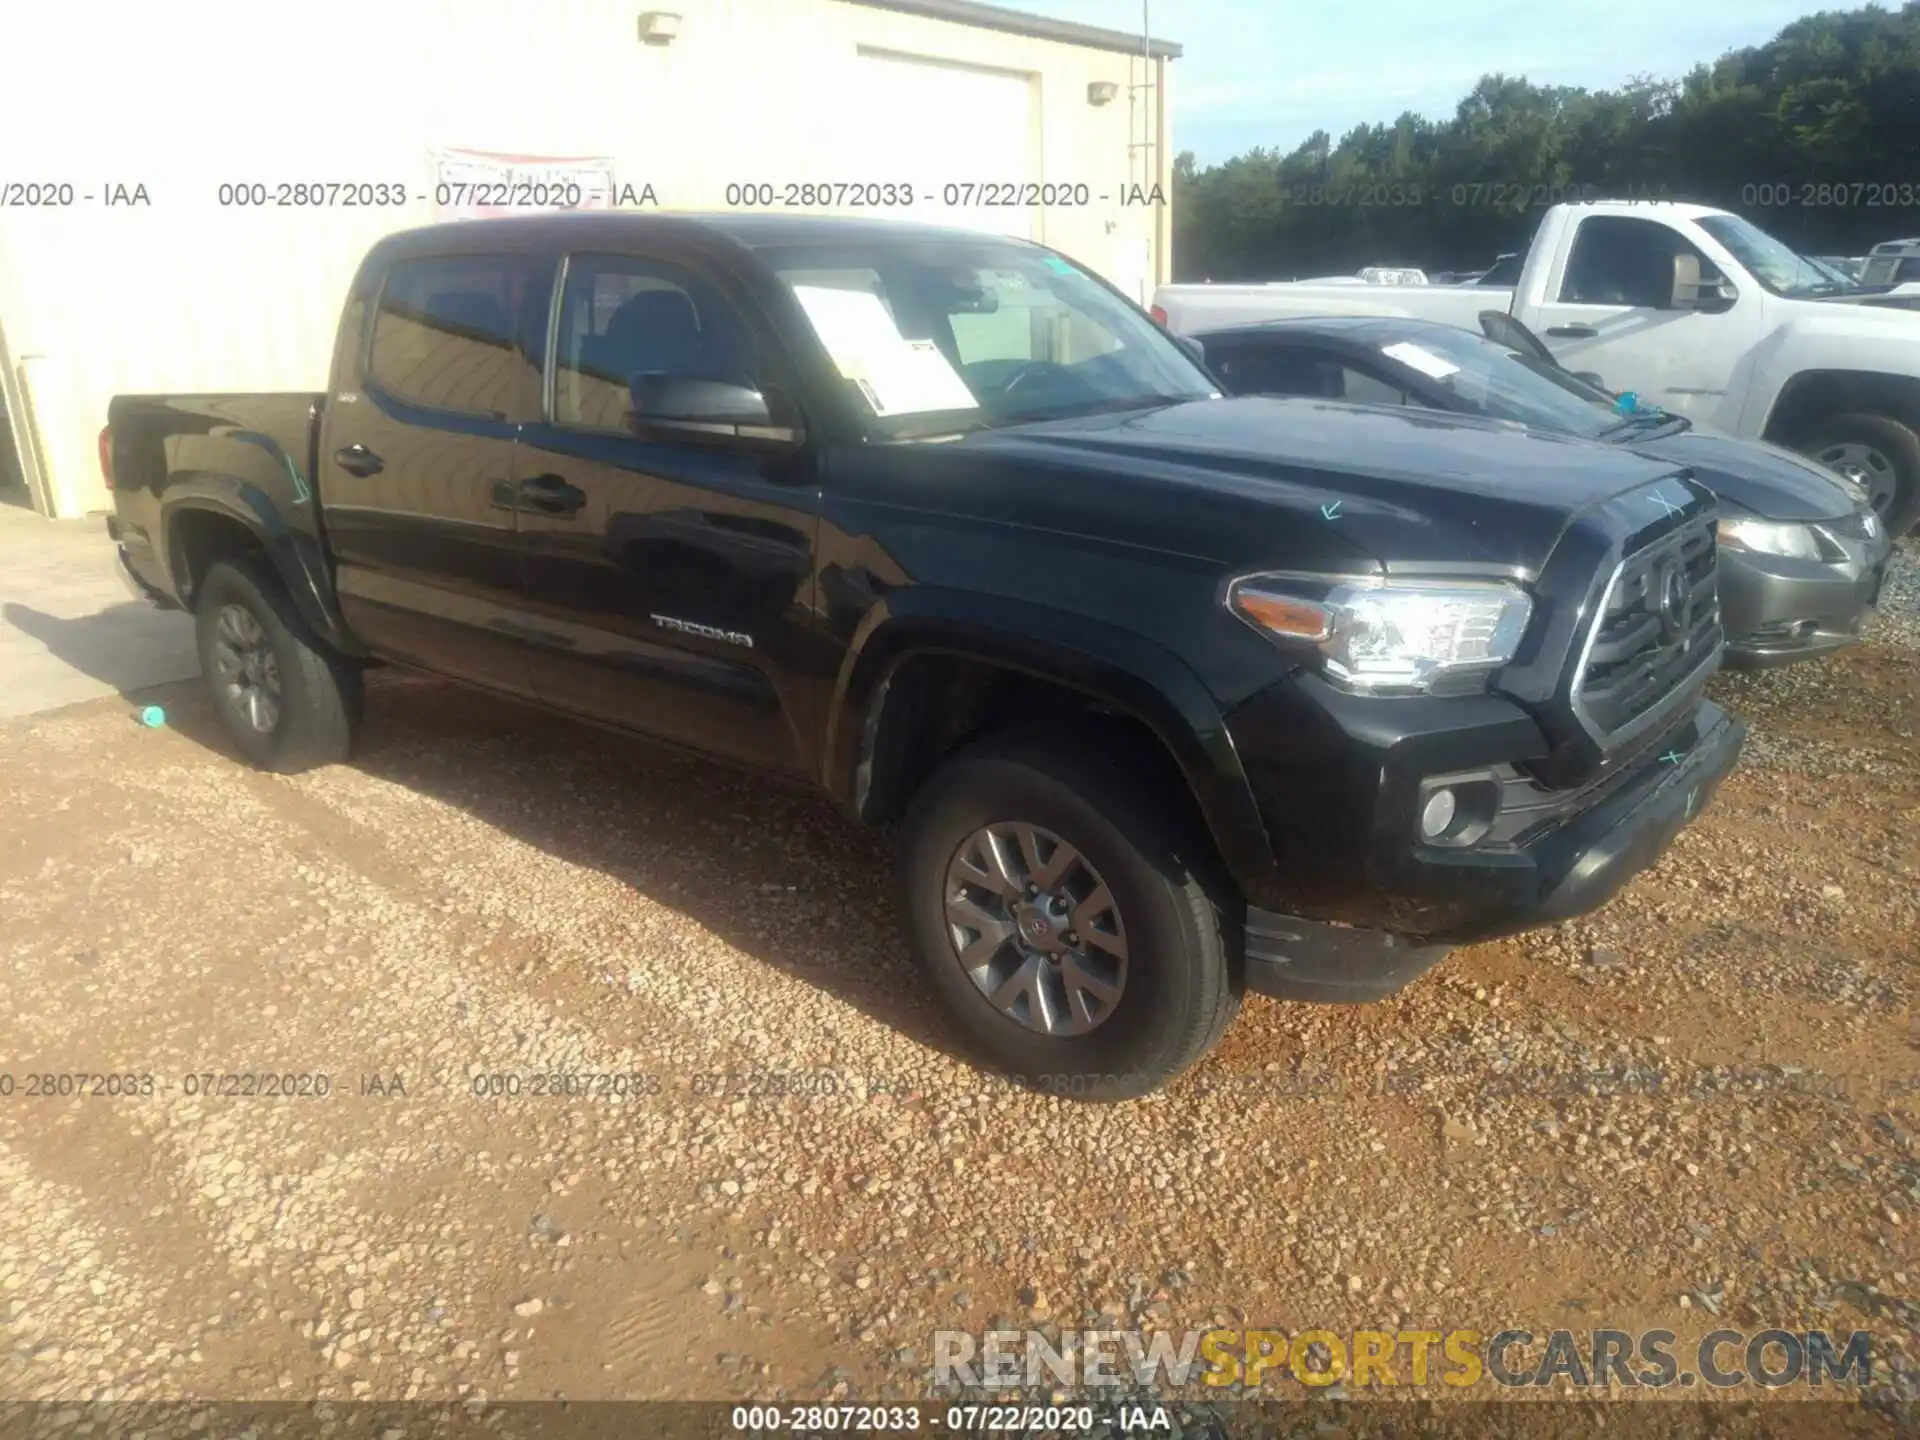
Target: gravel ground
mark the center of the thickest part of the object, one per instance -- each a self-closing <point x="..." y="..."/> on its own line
<point x="1694" y="1109"/>
<point x="1898" y="621"/>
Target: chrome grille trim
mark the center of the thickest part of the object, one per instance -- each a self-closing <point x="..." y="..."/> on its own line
<point x="1635" y="669"/>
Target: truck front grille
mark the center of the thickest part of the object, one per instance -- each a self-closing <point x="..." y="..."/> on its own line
<point x="1657" y="626"/>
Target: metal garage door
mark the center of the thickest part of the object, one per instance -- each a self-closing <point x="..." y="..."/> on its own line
<point x="942" y="125"/>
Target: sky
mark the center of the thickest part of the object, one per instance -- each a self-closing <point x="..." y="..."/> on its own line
<point x="1271" y="72"/>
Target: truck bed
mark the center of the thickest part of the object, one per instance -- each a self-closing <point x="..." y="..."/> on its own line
<point x="236" y="454"/>
<point x="1192" y="309"/>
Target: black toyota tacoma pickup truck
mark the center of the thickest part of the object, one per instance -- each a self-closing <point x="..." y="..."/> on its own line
<point x="1169" y="695"/>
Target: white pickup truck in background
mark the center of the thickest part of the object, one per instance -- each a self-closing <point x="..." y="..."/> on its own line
<point x="1695" y="310"/>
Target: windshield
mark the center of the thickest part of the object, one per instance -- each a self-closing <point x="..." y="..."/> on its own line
<point x="1842" y="268"/>
<point x="1493" y="380"/>
<point x="938" y="335"/>
<point x="1774" y="264"/>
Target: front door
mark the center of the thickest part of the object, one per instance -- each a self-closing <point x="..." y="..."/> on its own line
<point x="417" y="462"/>
<point x="1614" y="316"/>
<point x="669" y="581"/>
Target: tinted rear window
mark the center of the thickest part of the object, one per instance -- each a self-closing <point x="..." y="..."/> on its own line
<point x="443" y="335"/>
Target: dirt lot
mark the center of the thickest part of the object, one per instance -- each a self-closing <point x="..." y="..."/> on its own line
<point x="1694" y="1109"/>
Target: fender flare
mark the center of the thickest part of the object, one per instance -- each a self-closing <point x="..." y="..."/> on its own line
<point x="1876" y="391"/>
<point x="296" y="556"/>
<point x="1137" y="677"/>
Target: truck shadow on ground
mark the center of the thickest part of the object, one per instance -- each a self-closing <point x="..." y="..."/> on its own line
<point x="126" y="646"/>
<point x="771" y="869"/>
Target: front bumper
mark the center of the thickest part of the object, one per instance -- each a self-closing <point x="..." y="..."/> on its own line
<point x="1776" y="610"/>
<point x="1573" y="867"/>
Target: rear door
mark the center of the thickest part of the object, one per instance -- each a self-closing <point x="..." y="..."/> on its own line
<point x="417" y="461"/>
<point x="669" y="580"/>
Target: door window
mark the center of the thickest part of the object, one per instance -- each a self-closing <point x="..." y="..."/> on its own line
<point x="443" y="334"/>
<point x="1618" y="260"/>
<point x="1278" y="371"/>
<point x="622" y="316"/>
<point x="1283" y="370"/>
<point x="1363" y="388"/>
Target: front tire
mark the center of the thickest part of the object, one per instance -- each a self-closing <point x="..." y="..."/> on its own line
<point x="1058" y="908"/>
<point x="287" y="700"/>
<point x="1883" y="454"/>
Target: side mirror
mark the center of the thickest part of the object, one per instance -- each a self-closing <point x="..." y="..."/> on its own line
<point x="690" y="407"/>
<point x="1690" y="292"/>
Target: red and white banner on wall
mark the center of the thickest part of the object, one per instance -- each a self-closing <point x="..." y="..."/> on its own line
<point x="473" y="184"/>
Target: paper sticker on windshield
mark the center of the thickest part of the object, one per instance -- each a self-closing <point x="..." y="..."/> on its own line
<point x="897" y="376"/>
<point x="1065" y="267"/>
<point x="1414" y="357"/>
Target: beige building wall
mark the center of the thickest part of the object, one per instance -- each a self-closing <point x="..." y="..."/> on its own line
<point x="186" y="295"/>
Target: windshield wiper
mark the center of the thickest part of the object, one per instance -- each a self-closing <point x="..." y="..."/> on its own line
<point x="1656" y="419"/>
<point x="1104" y="407"/>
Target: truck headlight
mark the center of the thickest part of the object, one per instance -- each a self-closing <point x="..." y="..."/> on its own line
<point x="1744" y="532"/>
<point x="1390" y="636"/>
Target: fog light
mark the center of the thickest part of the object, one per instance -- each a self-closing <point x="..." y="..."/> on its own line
<point x="1437" y="814"/>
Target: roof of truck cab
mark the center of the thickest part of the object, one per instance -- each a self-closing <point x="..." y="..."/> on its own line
<point x="753" y="231"/>
<point x="1683" y="209"/>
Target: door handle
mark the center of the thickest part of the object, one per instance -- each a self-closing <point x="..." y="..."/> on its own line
<point x="357" y="459"/>
<point x="551" y="495"/>
<point x="1573" y="332"/>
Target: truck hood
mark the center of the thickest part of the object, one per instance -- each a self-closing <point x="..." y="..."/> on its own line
<point x="1901" y="297"/>
<point x="1877" y="315"/>
<point x="1773" y="483"/>
<point x="1312" y="476"/>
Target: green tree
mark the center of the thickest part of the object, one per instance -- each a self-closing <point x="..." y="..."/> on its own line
<point x="1831" y="102"/>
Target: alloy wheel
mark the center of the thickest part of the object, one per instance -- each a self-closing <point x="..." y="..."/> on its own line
<point x="1036" y="929"/>
<point x="1869" y="468"/>
<point x="246" y="671"/>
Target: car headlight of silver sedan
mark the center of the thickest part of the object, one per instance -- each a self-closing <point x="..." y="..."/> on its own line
<point x="1770" y="537"/>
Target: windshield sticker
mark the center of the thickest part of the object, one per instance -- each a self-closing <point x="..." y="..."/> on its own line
<point x="1415" y="357"/>
<point x="897" y="376"/>
<point x="1064" y="267"/>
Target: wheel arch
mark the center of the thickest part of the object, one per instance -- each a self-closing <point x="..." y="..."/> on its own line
<point x="211" y="517"/>
<point x="881" y="705"/>
<point x="1810" y="396"/>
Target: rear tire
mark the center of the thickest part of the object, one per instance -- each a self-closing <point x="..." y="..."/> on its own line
<point x="287" y="699"/>
<point x="1883" y="453"/>
<point x="1130" y="1004"/>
